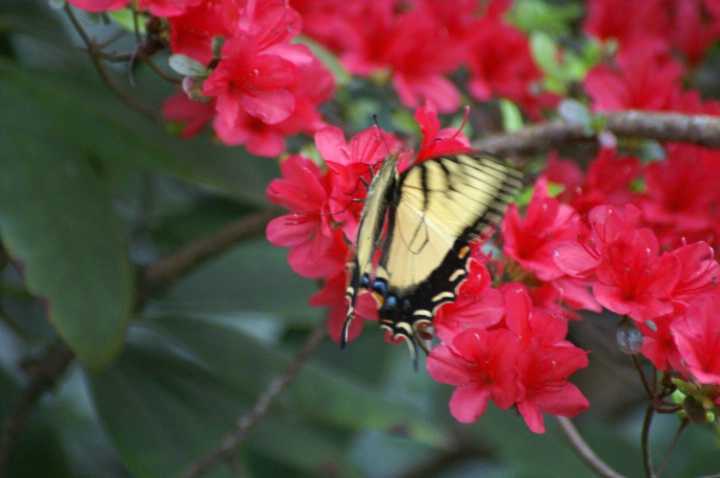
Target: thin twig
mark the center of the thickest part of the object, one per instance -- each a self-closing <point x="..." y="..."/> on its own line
<point x="649" y="389"/>
<point x="699" y="129"/>
<point x="683" y="424"/>
<point x="645" y="442"/>
<point x="169" y="269"/>
<point x="226" y="450"/>
<point x="584" y="451"/>
<point x="48" y="370"/>
<point x="44" y="375"/>
<point x="92" y="49"/>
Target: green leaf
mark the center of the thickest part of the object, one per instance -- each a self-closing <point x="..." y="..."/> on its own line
<point x="164" y="410"/>
<point x="121" y="138"/>
<point x="186" y="66"/>
<point x="58" y="224"/>
<point x="245" y="281"/>
<point x="511" y="115"/>
<point x="222" y="346"/>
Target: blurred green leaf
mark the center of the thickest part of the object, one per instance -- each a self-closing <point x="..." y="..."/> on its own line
<point x="164" y="409"/>
<point x="186" y="66"/>
<point x="223" y="347"/>
<point x="58" y="224"/>
<point x="253" y="279"/>
<point x="511" y="115"/>
<point x="556" y="18"/>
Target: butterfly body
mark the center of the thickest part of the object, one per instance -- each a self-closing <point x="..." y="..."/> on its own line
<point x="433" y="210"/>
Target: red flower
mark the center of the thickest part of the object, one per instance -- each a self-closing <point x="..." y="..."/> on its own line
<point x="697" y="336"/>
<point x="332" y="295"/>
<point x="437" y="142"/>
<point x="350" y="163"/>
<point x="580" y="259"/>
<point x="531" y="243"/>
<point x="501" y="64"/>
<point x="676" y="209"/>
<point x="646" y="78"/>
<point x="482" y="364"/>
<point x="191" y="33"/>
<point x="545" y="361"/>
<point x="699" y="272"/>
<point x="167" y="8"/>
<point x="608" y="182"/>
<point x="544" y="372"/>
<point x="633" y="280"/>
<point x="659" y="341"/>
<point x="608" y="19"/>
<point x="317" y="248"/>
<point x="258" y="137"/>
<point x="477" y="305"/>
<point x="97" y="6"/>
<point x="193" y="114"/>
<point x="249" y="80"/>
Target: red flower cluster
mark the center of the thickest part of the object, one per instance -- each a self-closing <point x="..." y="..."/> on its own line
<point x="420" y="43"/>
<point x="496" y="343"/>
<point x="326" y="205"/>
<point x="261" y="89"/>
<point x="502" y="348"/>
<point x="654" y="264"/>
<point x="687" y="27"/>
<point x="657" y="41"/>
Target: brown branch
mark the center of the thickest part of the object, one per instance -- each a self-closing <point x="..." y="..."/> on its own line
<point x="226" y="451"/>
<point x="169" y="269"/>
<point x="44" y="375"/>
<point x="699" y="129"/>
<point x="584" y="451"/>
<point x="93" y="50"/>
<point x="46" y="372"/>
<point x="645" y="441"/>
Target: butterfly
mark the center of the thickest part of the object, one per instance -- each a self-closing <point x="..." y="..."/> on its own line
<point x="430" y="213"/>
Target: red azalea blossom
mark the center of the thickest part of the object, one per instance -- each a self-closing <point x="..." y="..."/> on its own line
<point x="677" y="210"/>
<point x="249" y="80"/>
<point x="194" y="115"/>
<point x="697" y="336"/>
<point x="659" y="342"/>
<point x="699" y="272"/>
<point x="646" y="78"/>
<point x="580" y="259"/>
<point x="437" y="142"/>
<point x="608" y="182"/>
<point x="483" y="365"/>
<point x="531" y="243"/>
<point x="191" y="33"/>
<point x="501" y="64"/>
<point x="168" y="8"/>
<point x="97" y="6"/>
<point x="632" y="279"/>
<point x="545" y="362"/>
<point x="477" y="305"/>
<point x="317" y="248"/>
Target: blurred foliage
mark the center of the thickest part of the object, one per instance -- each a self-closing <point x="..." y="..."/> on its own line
<point x="90" y="190"/>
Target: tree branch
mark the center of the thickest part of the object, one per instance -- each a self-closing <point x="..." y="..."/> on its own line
<point x="94" y="51"/>
<point x="45" y="372"/>
<point x="44" y="375"/>
<point x="167" y="270"/>
<point x="584" y="451"/>
<point x="225" y="452"/>
<point x="699" y="129"/>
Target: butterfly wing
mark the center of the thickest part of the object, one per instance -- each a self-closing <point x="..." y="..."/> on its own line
<point x="368" y="239"/>
<point x="437" y="207"/>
